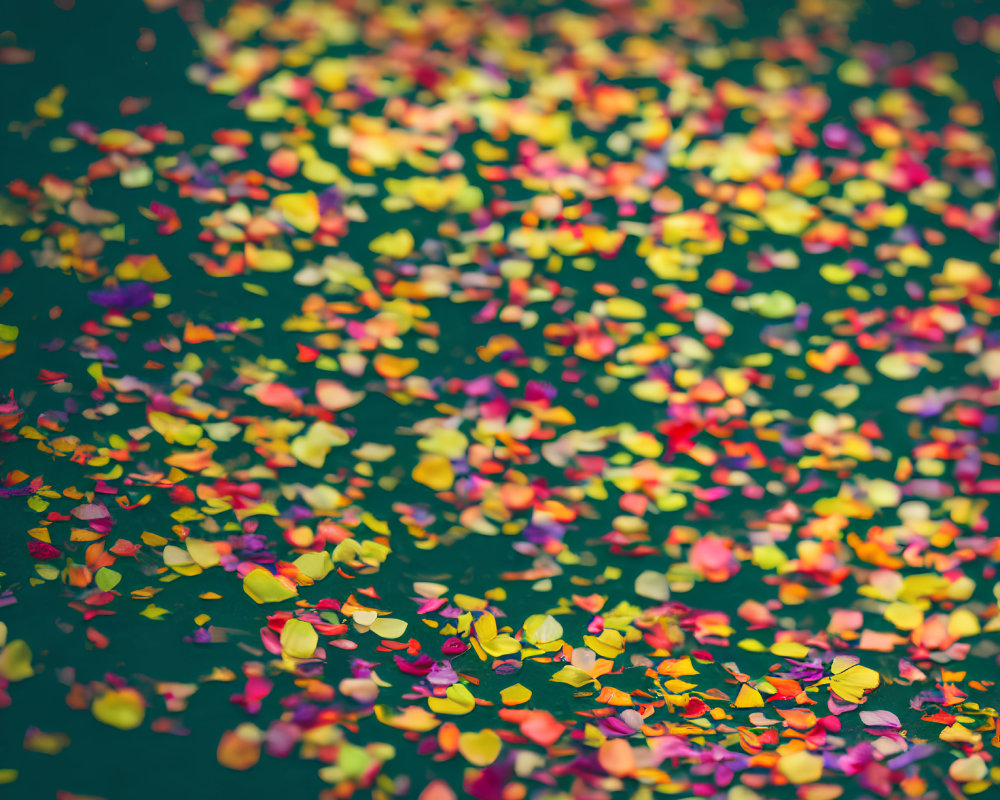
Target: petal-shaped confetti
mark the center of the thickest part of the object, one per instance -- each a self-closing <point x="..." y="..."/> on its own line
<point x="457" y="700"/>
<point x="15" y="661"/>
<point x="480" y="748"/>
<point x="298" y="639"/>
<point x="264" y="587"/>
<point x="124" y="709"/>
<point x="850" y="680"/>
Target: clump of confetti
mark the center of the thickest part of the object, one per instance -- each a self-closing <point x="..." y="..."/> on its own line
<point x="596" y="400"/>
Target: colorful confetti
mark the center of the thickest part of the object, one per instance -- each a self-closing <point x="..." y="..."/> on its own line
<point x="445" y="400"/>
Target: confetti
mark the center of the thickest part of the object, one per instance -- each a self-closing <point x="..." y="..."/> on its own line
<point x="592" y="400"/>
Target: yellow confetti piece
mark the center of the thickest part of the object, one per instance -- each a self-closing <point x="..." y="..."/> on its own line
<point x="314" y="565"/>
<point x="749" y="697"/>
<point x="434" y="472"/>
<point x="957" y="733"/>
<point x="299" y="210"/>
<point x="801" y="767"/>
<point x="789" y="649"/>
<point x="962" y="623"/>
<point x="573" y="676"/>
<point x="15" y="661"/>
<point x="608" y="645"/>
<point x="264" y="587"/>
<point x="624" y="308"/>
<point x="150" y="270"/>
<point x="515" y="695"/>
<point x="319" y="171"/>
<point x="269" y="260"/>
<point x="457" y="700"/>
<point x="202" y="553"/>
<point x="124" y="709"/>
<point x="255" y="288"/>
<point x="396" y="245"/>
<point x="543" y="630"/>
<point x="298" y="639"/>
<point x="388" y="627"/>
<point x="850" y="680"/>
<point x="390" y="366"/>
<point x="496" y="644"/>
<point x="154" y="612"/>
<point x="411" y="718"/>
<point x="50" y="106"/>
<point x="480" y="749"/>
<point x="313" y="447"/>
<point x="153" y="539"/>
<point x="904" y="616"/>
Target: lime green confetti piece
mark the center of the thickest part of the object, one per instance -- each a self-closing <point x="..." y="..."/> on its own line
<point x="773" y="305"/>
<point x="264" y="587"/>
<point x="107" y="579"/>
<point x="314" y="565"/>
<point x="255" y="288"/>
<point x="298" y="639"/>
<point x="154" y="612"/>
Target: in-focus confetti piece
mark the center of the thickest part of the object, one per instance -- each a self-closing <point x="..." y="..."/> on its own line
<point x="264" y="587"/>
